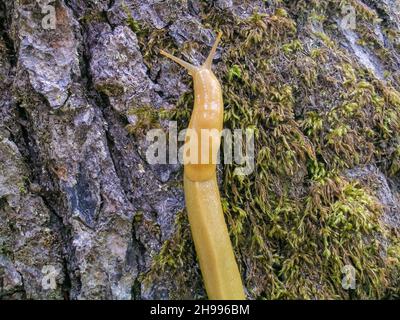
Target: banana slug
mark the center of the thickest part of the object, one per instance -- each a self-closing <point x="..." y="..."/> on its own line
<point x="210" y="234"/>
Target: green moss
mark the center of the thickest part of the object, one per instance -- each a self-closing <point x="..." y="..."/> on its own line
<point x="110" y="89"/>
<point x="395" y="163"/>
<point x="234" y="72"/>
<point x="176" y="263"/>
<point x="133" y="24"/>
<point x="93" y="16"/>
<point x="292" y="47"/>
<point x="145" y="118"/>
<point x="5" y="249"/>
<point x="22" y="188"/>
<point x="297" y="220"/>
<point x="394" y="266"/>
<point x="312" y="124"/>
<point x="325" y="39"/>
<point x="364" y="12"/>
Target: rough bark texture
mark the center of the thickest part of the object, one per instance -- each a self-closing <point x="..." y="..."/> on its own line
<point x="77" y="194"/>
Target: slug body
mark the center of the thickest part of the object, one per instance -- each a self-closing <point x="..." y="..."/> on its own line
<point x="206" y="122"/>
<point x="210" y="234"/>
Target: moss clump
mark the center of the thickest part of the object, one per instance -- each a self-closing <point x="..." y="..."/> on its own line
<point x="92" y="17"/>
<point x="297" y="220"/>
<point x="133" y="24"/>
<point x="110" y="89"/>
<point x="394" y="266"/>
<point x="143" y="119"/>
<point x="5" y="249"/>
<point x="234" y="73"/>
<point x="22" y="188"/>
<point x="176" y="263"/>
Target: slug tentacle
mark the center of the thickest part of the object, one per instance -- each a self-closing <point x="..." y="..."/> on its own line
<point x="208" y="63"/>
<point x="192" y="69"/>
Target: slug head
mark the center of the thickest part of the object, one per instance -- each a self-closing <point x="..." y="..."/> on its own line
<point x="192" y="69"/>
<point x="207" y="114"/>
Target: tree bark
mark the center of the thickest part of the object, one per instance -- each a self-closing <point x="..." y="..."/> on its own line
<point x="83" y="215"/>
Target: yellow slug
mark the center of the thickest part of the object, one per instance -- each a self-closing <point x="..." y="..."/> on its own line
<point x="210" y="234"/>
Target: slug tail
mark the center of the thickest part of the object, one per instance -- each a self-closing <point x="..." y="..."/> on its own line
<point x="189" y="67"/>
<point x="207" y="64"/>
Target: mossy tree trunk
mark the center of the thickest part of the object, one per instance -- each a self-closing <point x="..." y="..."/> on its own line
<point x="82" y="82"/>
